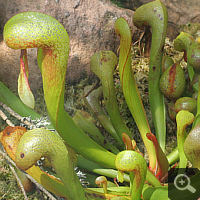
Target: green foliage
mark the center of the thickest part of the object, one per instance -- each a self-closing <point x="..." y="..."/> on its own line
<point x="72" y="134"/>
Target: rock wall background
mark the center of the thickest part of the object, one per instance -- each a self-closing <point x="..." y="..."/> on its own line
<point x="180" y="11"/>
<point x="90" y="25"/>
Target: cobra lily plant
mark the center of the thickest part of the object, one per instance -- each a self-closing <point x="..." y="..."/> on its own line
<point x="78" y="142"/>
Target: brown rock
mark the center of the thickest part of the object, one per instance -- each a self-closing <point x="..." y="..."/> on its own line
<point x="89" y="23"/>
<point x="180" y="11"/>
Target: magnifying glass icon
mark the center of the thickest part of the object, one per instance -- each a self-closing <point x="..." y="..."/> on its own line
<point x="179" y="183"/>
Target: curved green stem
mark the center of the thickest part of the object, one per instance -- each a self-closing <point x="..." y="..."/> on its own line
<point x="130" y="88"/>
<point x="183" y="119"/>
<point x="155" y="15"/>
<point x="133" y="162"/>
<point x="38" y="143"/>
<point x="103" y="65"/>
<point x="10" y="138"/>
<point x="32" y="29"/>
<point x="102" y="180"/>
<point x="183" y="41"/>
<point x="92" y="167"/>
<point x="95" y="168"/>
